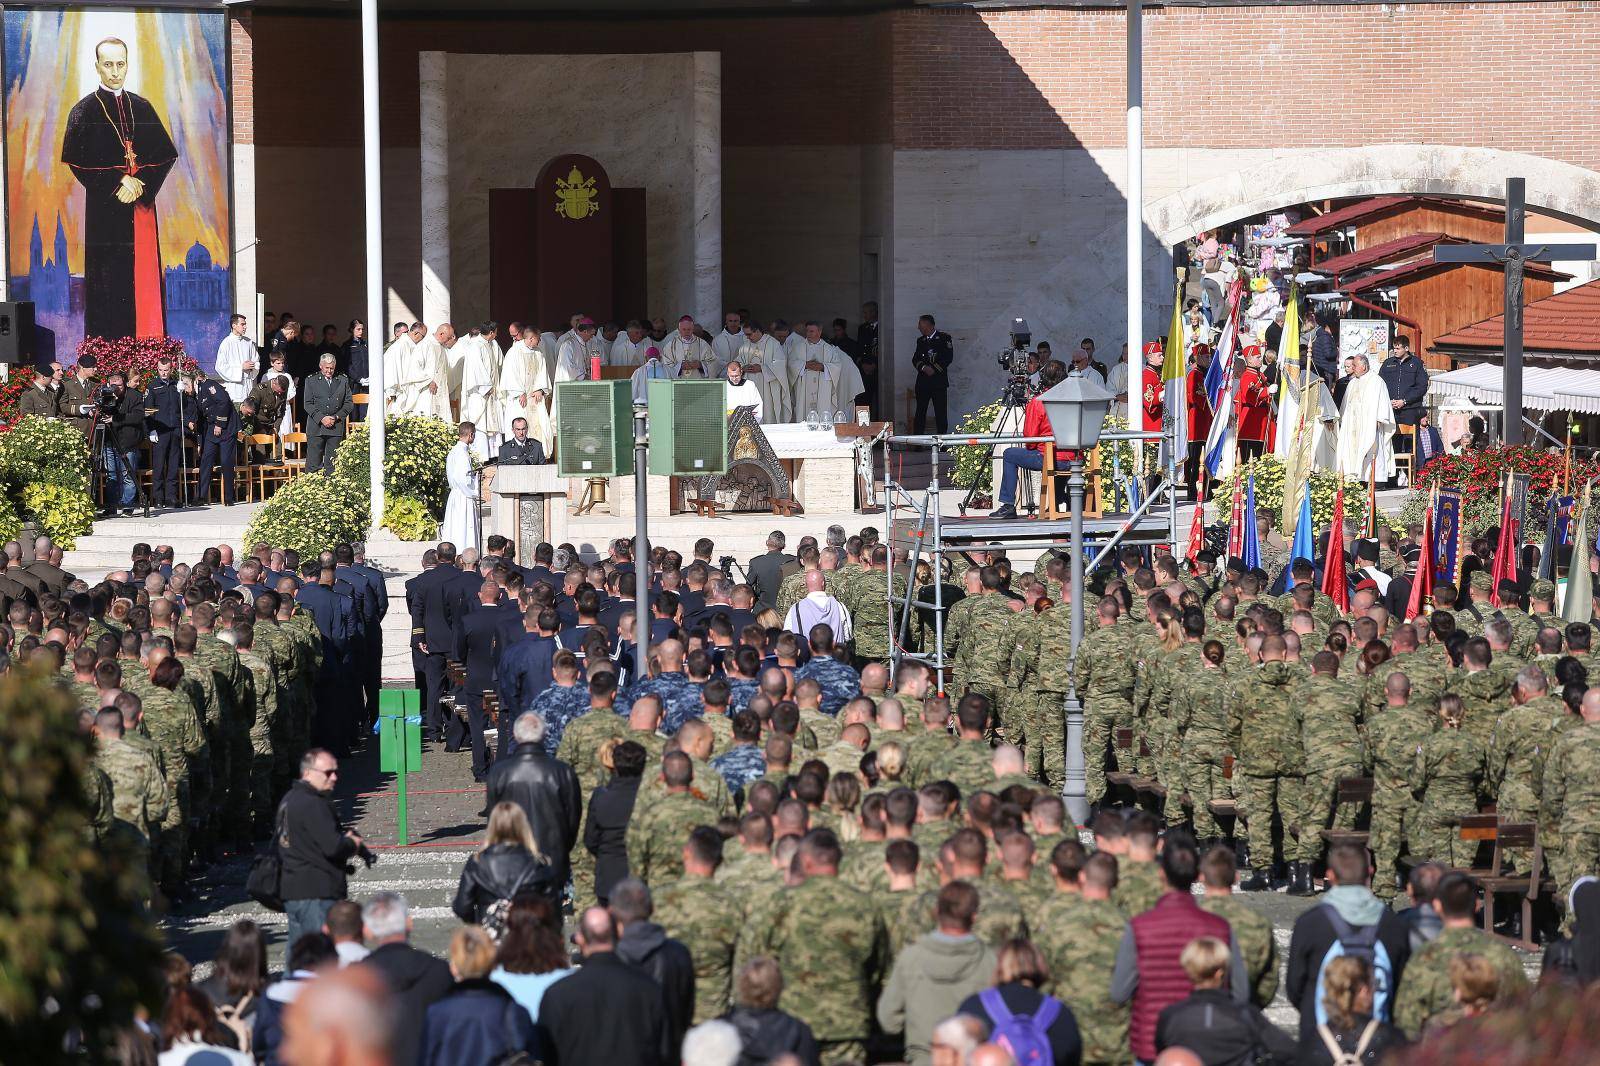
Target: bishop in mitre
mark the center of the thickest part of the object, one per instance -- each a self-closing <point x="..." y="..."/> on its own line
<point x="480" y="387"/>
<point x="654" y="369"/>
<point x="824" y="379"/>
<point x="767" y="368"/>
<point x="1366" y="426"/>
<point x="687" y="353"/>
<point x="523" y="389"/>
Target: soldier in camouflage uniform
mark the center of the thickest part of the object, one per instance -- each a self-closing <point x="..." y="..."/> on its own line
<point x="1079" y="936"/>
<point x="1448" y="773"/>
<point x="1395" y="736"/>
<point x="680" y="697"/>
<point x="869" y="608"/>
<point x="1178" y="664"/>
<point x="264" y="697"/>
<point x="1269" y="767"/>
<point x="237" y="690"/>
<point x="744" y="762"/>
<point x="1000" y="914"/>
<point x="656" y="831"/>
<point x="138" y="790"/>
<point x="793" y="588"/>
<point x="929" y="743"/>
<point x="1139" y="883"/>
<point x="101" y="807"/>
<point x="699" y="912"/>
<point x="1252" y="930"/>
<point x="1201" y="707"/>
<point x="982" y="666"/>
<point x="1426" y="992"/>
<point x="1569" y="817"/>
<point x="829" y="942"/>
<point x="170" y="719"/>
<point x="969" y="764"/>
<point x="563" y="702"/>
<point x="1484" y="692"/>
<point x="694" y="740"/>
<point x="1332" y="737"/>
<point x="1521" y="742"/>
<point x="292" y="722"/>
<point x="220" y="720"/>
<point x="1104" y="675"/>
<point x="955" y="624"/>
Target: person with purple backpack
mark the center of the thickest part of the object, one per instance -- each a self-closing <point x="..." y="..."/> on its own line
<point x="1036" y="1028"/>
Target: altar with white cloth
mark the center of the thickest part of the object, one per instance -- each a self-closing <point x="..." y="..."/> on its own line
<point x="821" y="467"/>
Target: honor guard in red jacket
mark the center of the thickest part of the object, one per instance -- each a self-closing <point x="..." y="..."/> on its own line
<point x="1151" y="391"/>
<point x="1254" y="404"/>
<point x="1199" y="414"/>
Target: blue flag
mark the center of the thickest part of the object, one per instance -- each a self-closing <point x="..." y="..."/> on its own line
<point x="1304" y="546"/>
<point x="1250" y="555"/>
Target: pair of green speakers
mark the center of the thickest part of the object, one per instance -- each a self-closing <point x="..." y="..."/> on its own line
<point x="688" y="428"/>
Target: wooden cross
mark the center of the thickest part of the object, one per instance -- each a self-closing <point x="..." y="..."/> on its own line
<point x="1513" y="255"/>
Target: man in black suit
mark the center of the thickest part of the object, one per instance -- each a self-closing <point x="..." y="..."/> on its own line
<point x="766" y="571"/>
<point x="623" y="602"/>
<point x="418" y="979"/>
<point x="365" y="593"/>
<point x="543" y="555"/>
<point x="478" y="640"/>
<point x="372" y="681"/>
<point x="436" y="608"/>
<point x="632" y="1004"/>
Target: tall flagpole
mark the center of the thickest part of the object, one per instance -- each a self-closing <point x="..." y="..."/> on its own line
<point x="377" y="323"/>
<point x="1135" y="183"/>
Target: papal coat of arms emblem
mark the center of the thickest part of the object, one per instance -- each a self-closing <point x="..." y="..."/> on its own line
<point x="576" y="197"/>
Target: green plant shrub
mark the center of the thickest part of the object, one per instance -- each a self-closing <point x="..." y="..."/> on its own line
<point x="1269" y="491"/>
<point x="79" y="950"/>
<point x="414" y="451"/>
<point x="311" y="514"/>
<point x="409" y="519"/>
<point x="65" y="514"/>
<point x="45" y="451"/>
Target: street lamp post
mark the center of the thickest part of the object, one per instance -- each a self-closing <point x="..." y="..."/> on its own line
<point x="1077" y="409"/>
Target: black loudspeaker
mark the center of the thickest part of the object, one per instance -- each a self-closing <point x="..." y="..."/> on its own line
<point x="17" y="342"/>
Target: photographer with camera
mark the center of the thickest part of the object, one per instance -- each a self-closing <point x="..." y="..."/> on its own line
<point x="119" y="414"/>
<point x="78" y="393"/>
<point x="312" y="847"/>
<point x="1035" y="423"/>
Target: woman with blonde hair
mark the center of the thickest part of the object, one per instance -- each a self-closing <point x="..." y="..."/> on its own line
<point x="891" y="765"/>
<point x="477" y="1021"/>
<point x="1210" y="1023"/>
<point x="843" y="798"/>
<point x="1351" y="1030"/>
<point x="510" y="864"/>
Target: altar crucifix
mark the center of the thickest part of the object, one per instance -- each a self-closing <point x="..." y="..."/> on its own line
<point x="1513" y="255"/>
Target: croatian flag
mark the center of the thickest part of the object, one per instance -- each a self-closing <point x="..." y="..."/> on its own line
<point x="1219" y="390"/>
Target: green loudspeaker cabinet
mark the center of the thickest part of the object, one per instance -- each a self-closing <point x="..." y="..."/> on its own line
<point x="688" y="428"/>
<point x="594" y="434"/>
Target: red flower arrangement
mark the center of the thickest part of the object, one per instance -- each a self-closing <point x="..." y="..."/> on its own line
<point x="134" y="357"/>
<point x="1480" y="475"/>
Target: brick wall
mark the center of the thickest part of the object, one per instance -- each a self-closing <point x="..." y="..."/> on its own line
<point x="1254" y="77"/>
<point x="242" y="57"/>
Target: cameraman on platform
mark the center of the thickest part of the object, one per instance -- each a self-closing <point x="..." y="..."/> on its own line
<point x="120" y="413"/>
<point x="1035" y="423"/>
<point x="312" y="846"/>
<point x="163" y="409"/>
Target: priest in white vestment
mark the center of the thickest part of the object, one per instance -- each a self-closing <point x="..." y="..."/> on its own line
<point x="688" y="354"/>
<point x="236" y="362"/>
<point x="628" y="348"/>
<point x="1117" y="383"/>
<point x="463" y="522"/>
<point x="726" y="344"/>
<point x="480" y="397"/>
<point x="1366" y="426"/>
<point x="766" y="367"/>
<point x="408" y="374"/>
<point x="654" y="369"/>
<point x="741" y="391"/>
<point x="576" y="353"/>
<point x="791" y="343"/>
<point x="824" y="379"/>
<point x="523" y="389"/>
<point x="454" y="357"/>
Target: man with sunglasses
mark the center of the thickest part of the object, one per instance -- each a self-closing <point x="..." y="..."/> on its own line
<point x="312" y="846"/>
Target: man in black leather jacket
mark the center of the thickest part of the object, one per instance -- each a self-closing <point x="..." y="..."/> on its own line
<point x="545" y="788"/>
<point x="122" y="424"/>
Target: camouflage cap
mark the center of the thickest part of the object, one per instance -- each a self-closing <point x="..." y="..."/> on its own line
<point x="1481" y="582"/>
<point x="1543" y="590"/>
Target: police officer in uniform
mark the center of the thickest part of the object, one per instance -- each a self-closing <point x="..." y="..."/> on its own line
<point x="163" y="410"/>
<point x="935" y="352"/>
<point x="521" y="449"/>
<point x="216" y="422"/>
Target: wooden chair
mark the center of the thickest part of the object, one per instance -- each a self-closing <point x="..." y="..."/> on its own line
<point x="293" y="465"/>
<point x="268" y="474"/>
<point x="1528" y="886"/>
<point x="1054" y="502"/>
<point x="1350" y="790"/>
<point x="1403" y="460"/>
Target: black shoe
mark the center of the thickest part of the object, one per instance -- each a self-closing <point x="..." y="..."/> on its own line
<point x="127" y="512"/>
<point x="1260" y="881"/>
<point x="1300" y="879"/>
<point x="1005" y="510"/>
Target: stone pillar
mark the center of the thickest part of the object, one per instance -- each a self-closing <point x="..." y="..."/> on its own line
<point x="434" y="90"/>
<point x="706" y="124"/>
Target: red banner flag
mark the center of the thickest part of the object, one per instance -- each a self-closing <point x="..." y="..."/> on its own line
<point x="1506" y="550"/>
<point x="1197" y="534"/>
<point x="1334" y="584"/>
<point x="1422" y="576"/>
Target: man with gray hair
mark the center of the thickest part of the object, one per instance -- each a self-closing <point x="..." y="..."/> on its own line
<point x="766" y="571"/>
<point x="543" y="786"/>
<point x="417" y="979"/>
<point x="326" y="401"/>
<point x="1366" y="425"/>
<point x="714" y="1043"/>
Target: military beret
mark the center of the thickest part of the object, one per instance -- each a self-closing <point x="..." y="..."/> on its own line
<point x="1543" y="590"/>
<point x="1481" y="581"/>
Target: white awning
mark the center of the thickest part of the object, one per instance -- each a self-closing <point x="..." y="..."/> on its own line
<point x="1543" y="388"/>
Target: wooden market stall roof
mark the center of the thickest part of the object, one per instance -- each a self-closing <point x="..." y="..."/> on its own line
<point x="1369" y="210"/>
<point x="1560" y="328"/>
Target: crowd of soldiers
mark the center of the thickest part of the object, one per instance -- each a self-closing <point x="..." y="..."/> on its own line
<point x="204" y="684"/>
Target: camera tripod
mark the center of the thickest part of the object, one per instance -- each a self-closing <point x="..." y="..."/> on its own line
<point x="102" y="474"/>
<point x="1009" y="423"/>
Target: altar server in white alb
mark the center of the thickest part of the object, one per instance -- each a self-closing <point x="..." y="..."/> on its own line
<point x="688" y="354"/>
<point x="236" y="361"/>
<point x="741" y="392"/>
<point x="726" y="344"/>
<point x="524" y="388"/>
<point x="654" y="369"/>
<point x="766" y="367"/>
<point x="480" y="376"/>
<point x="628" y="348"/>
<point x="825" y="380"/>
<point x="463" y="523"/>
<point x="1366" y="426"/>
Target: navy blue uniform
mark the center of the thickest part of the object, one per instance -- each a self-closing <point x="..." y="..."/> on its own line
<point x="525" y="672"/>
<point x="333" y="615"/>
<point x="932" y="360"/>
<point x="217" y="425"/>
<point x="477" y="647"/>
<point x="436" y="606"/>
<point x="162" y="417"/>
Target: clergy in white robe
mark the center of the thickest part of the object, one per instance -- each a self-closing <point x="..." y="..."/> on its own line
<point x="1366" y="426"/>
<point x="480" y="397"/>
<point x="524" y="388"/>
<point x="741" y="391"/>
<point x="791" y="342"/>
<point x="823" y="379"/>
<point x="688" y="354"/>
<point x="628" y="348"/>
<point x="1117" y="382"/>
<point x="463" y="522"/>
<point x="766" y="367"/>
<point x="726" y="344"/>
<point x="577" y="352"/>
<point x="455" y="360"/>
<point x="236" y="362"/>
<point x="407" y="373"/>
<point x="654" y="369"/>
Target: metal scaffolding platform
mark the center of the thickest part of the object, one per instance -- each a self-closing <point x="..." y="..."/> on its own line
<point x="917" y="529"/>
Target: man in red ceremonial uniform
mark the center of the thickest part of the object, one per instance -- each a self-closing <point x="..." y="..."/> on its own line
<point x="1150" y="393"/>
<point x="1254" y="405"/>
<point x="1199" y="416"/>
<point x="120" y="153"/>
